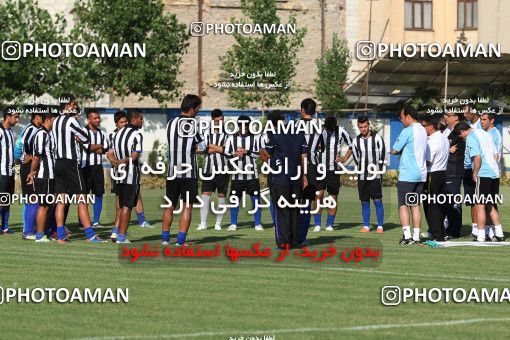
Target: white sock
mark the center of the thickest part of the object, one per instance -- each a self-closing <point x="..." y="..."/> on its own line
<point x="416" y="234"/>
<point x="219" y="217"/>
<point x="498" y="230"/>
<point x="204" y="211"/>
<point x="407" y="232"/>
<point x="474" y="229"/>
<point x="481" y="236"/>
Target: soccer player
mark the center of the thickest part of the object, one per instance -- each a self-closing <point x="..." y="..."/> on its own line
<point x="411" y="145"/>
<point x="182" y="147"/>
<point x="69" y="180"/>
<point x="438" y="149"/>
<point x="215" y="160"/>
<point x="127" y="149"/>
<point x="487" y="122"/>
<point x="368" y="149"/>
<point x="484" y="158"/>
<point x="41" y="176"/>
<point x="330" y="142"/>
<point x="92" y="162"/>
<point x="27" y="137"/>
<point x="454" y="172"/>
<point x="290" y="149"/>
<point x="245" y="146"/>
<point x="11" y="116"/>
<point x="469" y="185"/>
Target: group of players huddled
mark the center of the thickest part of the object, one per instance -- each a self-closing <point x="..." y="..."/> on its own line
<point x="60" y="158"/>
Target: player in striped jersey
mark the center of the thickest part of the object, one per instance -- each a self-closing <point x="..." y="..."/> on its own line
<point x="92" y="162"/>
<point x="182" y="177"/>
<point x="245" y="146"/>
<point x="368" y="150"/>
<point x="68" y="134"/>
<point x="127" y="148"/>
<point x="42" y="173"/>
<point x="329" y="144"/>
<point x="215" y="160"/>
<point x="27" y="137"/>
<point x="11" y="116"/>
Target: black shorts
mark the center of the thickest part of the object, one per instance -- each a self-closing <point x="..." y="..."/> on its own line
<point x="219" y="183"/>
<point x="115" y="188"/>
<point x="369" y="189"/>
<point x="94" y="179"/>
<point x="69" y="178"/>
<point x="183" y="188"/>
<point x="331" y="183"/>
<point x="7" y="184"/>
<point x="486" y="190"/>
<point x="46" y="187"/>
<point x="128" y="195"/>
<point x="250" y="187"/>
<point x="409" y="193"/>
<point x="469" y="185"/>
<point x="24" y="171"/>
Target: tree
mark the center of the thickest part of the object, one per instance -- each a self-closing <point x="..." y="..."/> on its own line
<point x="270" y="56"/>
<point x="134" y="21"/>
<point x="332" y="75"/>
<point x="23" y="21"/>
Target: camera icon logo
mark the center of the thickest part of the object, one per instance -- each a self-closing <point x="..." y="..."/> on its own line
<point x="196" y="29"/>
<point x="5" y="199"/>
<point x="391" y="295"/>
<point x="187" y="127"/>
<point x="11" y="50"/>
<point x="412" y="199"/>
<point x="365" y="50"/>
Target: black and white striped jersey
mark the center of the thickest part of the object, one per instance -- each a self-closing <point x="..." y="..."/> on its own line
<point x="94" y="137"/>
<point x="27" y="137"/>
<point x="65" y="130"/>
<point x="329" y="145"/>
<point x="125" y="141"/>
<point x="366" y="151"/>
<point x="216" y="161"/>
<point x="6" y="152"/>
<point x="251" y="144"/>
<point x="182" y="147"/>
<point x="44" y="148"/>
<point x="311" y="138"/>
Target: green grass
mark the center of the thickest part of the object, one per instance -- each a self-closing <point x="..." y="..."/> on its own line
<point x="251" y="299"/>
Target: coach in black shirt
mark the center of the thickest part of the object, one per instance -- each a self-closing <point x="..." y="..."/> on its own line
<point x="454" y="172"/>
<point x="290" y="149"/>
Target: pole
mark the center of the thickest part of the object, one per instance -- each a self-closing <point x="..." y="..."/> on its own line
<point x="199" y="71"/>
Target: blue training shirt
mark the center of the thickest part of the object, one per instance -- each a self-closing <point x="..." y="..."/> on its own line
<point x="412" y="141"/>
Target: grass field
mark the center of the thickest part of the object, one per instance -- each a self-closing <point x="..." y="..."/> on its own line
<point x="228" y="301"/>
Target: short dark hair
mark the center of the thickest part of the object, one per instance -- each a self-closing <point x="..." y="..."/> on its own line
<point x="274" y="116"/>
<point x="490" y="114"/>
<point x="330" y="123"/>
<point x="49" y="114"/>
<point x="433" y="120"/>
<point x="190" y="101"/>
<point x="309" y="106"/>
<point x="11" y="110"/>
<point x="133" y="113"/>
<point x="69" y="99"/>
<point x="36" y="109"/>
<point x="119" y="115"/>
<point x="410" y="111"/>
<point x="462" y="126"/>
<point x="216" y="113"/>
<point x="89" y="111"/>
<point x="362" y="119"/>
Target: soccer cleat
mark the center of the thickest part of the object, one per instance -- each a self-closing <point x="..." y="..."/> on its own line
<point x="28" y="237"/>
<point x="476" y="240"/>
<point x="407" y="241"/>
<point x="364" y="230"/>
<point x="329" y="228"/>
<point x="98" y="226"/>
<point x="43" y="239"/>
<point x="8" y="232"/>
<point x="379" y="230"/>
<point x="113" y="237"/>
<point x="317" y="228"/>
<point x="95" y="239"/>
<point x="185" y="245"/>
<point x="202" y="227"/>
<point x="165" y="243"/>
<point x="417" y="241"/>
<point x="259" y="227"/>
<point x="232" y="227"/>
<point x="146" y="224"/>
<point x="63" y="241"/>
<point x="217" y="227"/>
<point x="126" y="241"/>
<point x="498" y="239"/>
<point x="68" y="232"/>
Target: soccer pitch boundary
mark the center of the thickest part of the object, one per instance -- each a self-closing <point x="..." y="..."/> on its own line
<point x="304" y="330"/>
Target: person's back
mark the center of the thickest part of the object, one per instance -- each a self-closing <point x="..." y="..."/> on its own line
<point x="412" y="166"/>
<point x="286" y="152"/>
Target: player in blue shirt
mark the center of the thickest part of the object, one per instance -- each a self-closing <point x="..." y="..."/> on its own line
<point x="411" y="145"/>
